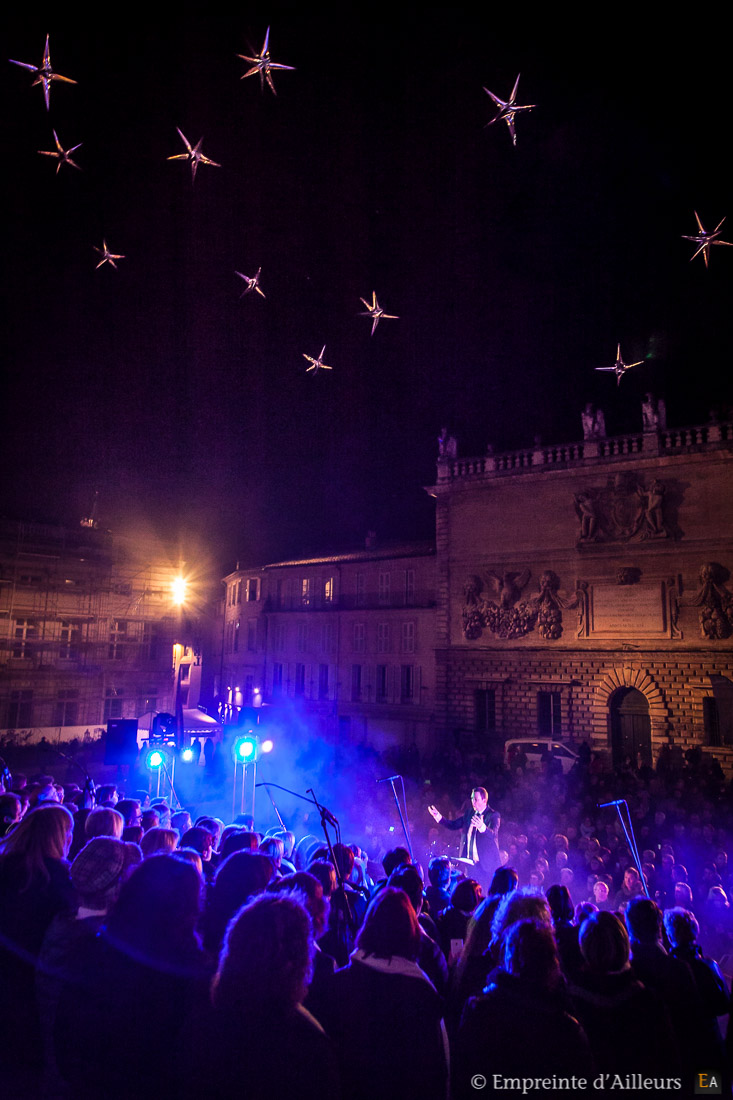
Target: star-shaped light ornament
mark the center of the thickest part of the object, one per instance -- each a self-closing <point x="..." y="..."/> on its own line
<point x="263" y="64"/>
<point x="63" y="156"/>
<point x="317" y="363"/>
<point x="252" y="283"/>
<point x="193" y="155"/>
<point x="507" y="110"/>
<point x="705" y="241"/>
<point x="619" y="367"/>
<point x="44" y="74"/>
<point x="107" y="256"/>
<point x="376" y="312"/>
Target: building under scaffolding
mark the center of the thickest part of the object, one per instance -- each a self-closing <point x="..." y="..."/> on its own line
<point x="91" y="628"/>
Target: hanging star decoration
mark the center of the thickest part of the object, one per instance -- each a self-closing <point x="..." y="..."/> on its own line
<point x="507" y="110"/>
<point x="263" y="64"/>
<point x="193" y="155"/>
<point x="705" y="241"/>
<point x="376" y="312"/>
<point x="107" y="256"/>
<point x="619" y="367"/>
<point x="45" y="74"/>
<point x="317" y="363"/>
<point x="252" y="281"/>
<point x="62" y="155"/>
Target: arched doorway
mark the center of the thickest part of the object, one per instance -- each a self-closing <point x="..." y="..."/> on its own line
<point x="631" y="729"/>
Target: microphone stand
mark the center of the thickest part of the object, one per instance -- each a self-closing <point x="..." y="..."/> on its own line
<point x="628" y="829"/>
<point x="327" y="818"/>
<point x="403" y="817"/>
<point x="89" y="786"/>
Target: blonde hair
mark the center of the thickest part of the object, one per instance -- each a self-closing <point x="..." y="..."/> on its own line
<point x="44" y="833"/>
<point x="104" y="821"/>
<point x="159" y="840"/>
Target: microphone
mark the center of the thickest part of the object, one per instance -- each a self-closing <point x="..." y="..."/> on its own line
<point x="328" y="816"/>
<point x="616" y="802"/>
<point x="389" y="779"/>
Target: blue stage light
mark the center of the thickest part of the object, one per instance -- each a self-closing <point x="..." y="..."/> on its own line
<point x="155" y="759"/>
<point x="245" y="749"/>
<point x="187" y="755"/>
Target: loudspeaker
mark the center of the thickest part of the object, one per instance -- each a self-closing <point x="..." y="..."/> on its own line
<point x="120" y="742"/>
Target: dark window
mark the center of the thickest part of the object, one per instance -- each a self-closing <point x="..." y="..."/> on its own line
<point x="323" y="681"/>
<point x="112" y="705"/>
<point x="407" y="683"/>
<point x="355" y="683"/>
<point x="485" y="708"/>
<point x="20" y="709"/>
<point x="300" y="679"/>
<point x="277" y="679"/>
<point x="67" y="708"/>
<point x="549" y="713"/>
<point x="711" y="721"/>
<point x="381" y="686"/>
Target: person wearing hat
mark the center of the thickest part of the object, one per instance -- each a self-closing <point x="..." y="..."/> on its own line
<point x="97" y="874"/>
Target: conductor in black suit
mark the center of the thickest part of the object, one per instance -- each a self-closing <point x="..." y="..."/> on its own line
<point x="479" y="827"/>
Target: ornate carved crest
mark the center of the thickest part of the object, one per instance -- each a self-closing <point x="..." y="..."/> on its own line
<point x="715" y="601"/>
<point x="622" y="510"/>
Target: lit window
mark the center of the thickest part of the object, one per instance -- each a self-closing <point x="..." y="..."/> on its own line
<point x="328" y="589"/>
<point x="305" y="591"/>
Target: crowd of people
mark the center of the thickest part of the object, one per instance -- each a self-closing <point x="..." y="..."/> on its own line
<point x="147" y="952"/>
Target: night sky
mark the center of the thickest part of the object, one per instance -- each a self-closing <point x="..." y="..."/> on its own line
<point x="514" y="271"/>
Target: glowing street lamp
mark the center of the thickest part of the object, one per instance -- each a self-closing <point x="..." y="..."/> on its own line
<point x="179" y="586"/>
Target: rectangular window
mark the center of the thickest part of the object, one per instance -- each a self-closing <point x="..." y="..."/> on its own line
<point x="117" y="639"/>
<point x="251" y="635"/>
<point x="407" y="683"/>
<point x="280" y="636"/>
<point x="385" y="586"/>
<point x="485" y="709"/>
<point x="549" y="713"/>
<point x="356" y="683"/>
<point x="277" y="679"/>
<point x="711" y="721"/>
<point x="305" y="592"/>
<point x="323" y="681"/>
<point x="20" y="709"/>
<point x="408" y="638"/>
<point x="359" y="638"/>
<point x="381" y="684"/>
<point x="382" y="637"/>
<point x="253" y="589"/>
<point x="409" y="587"/>
<point x="112" y="704"/>
<point x="302" y="637"/>
<point x="69" y="637"/>
<point x="328" y="589"/>
<point x="360" y="589"/>
<point x="66" y="710"/>
<point x="235" y="636"/>
<point x="300" y="679"/>
<point x="24" y="634"/>
<point x="327" y="637"/>
<point x="249" y="682"/>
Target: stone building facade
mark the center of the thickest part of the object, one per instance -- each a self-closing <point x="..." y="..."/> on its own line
<point x="89" y="631"/>
<point x="584" y="592"/>
<point x="346" y="639"/>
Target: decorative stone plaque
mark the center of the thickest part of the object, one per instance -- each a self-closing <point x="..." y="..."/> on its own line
<point x="629" y="612"/>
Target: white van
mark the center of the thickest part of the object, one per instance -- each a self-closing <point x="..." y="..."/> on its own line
<point x="535" y="748"/>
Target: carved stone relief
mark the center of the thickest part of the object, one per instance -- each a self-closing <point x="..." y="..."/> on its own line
<point x="623" y="510"/>
<point x="715" y="601"/>
<point x="507" y="615"/>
